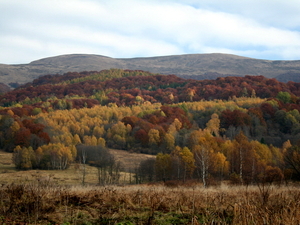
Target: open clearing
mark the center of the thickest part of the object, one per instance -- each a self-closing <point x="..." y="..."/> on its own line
<point x="70" y="176"/>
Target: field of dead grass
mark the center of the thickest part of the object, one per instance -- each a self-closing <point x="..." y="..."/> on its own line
<point x="72" y="175"/>
<point x="46" y="203"/>
<point x="129" y="160"/>
<point x="57" y="197"/>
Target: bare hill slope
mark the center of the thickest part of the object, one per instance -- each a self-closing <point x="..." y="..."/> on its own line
<point x="199" y="65"/>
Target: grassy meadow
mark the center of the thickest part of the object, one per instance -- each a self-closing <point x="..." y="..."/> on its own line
<point x="72" y="175"/>
<point x="58" y="197"/>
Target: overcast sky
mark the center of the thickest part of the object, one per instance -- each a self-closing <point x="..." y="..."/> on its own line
<point x="34" y="29"/>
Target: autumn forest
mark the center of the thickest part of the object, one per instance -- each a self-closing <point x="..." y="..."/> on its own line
<point x="244" y="130"/>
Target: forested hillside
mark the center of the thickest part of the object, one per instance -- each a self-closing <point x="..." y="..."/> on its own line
<point x="244" y="129"/>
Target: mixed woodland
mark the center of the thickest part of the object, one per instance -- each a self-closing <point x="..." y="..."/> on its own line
<point x="241" y="129"/>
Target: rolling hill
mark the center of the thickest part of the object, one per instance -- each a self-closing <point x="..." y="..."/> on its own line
<point x="197" y="66"/>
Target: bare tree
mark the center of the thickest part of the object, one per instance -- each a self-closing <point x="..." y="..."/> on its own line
<point x="82" y="158"/>
<point x="108" y="169"/>
<point x="202" y="157"/>
<point x="146" y="171"/>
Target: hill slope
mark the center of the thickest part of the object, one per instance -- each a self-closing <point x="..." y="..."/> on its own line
<point x="199" y="65"/>
<point x="123" y="87"/>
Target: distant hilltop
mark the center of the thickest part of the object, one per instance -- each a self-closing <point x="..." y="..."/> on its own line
<point x="196" y="66"/>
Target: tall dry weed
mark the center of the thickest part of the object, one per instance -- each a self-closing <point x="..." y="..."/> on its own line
<point x="42" y="202"/>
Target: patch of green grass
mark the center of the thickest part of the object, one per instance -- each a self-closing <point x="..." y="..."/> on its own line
<point x="171" y="218"/>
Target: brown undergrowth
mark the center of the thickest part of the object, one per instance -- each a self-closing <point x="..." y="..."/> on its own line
<point x="42" y="202"/>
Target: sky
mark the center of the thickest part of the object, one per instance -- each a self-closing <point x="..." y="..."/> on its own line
<point x="35" y="29"/>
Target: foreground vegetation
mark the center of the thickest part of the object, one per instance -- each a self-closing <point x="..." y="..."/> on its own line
<point x="43" y="203"/>
<point x="58" y="197"/>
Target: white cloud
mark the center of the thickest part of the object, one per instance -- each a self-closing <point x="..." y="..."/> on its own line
<point x="35" y="29"/>
<point x="281" y="13"/>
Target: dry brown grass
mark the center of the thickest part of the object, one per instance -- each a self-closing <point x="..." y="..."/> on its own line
<point x="45" y="203"/>
<point x="56" y="197"/>
<point x="6" y="162"/>
<point x="70" y="176"/>
<point x="129" y="160"/>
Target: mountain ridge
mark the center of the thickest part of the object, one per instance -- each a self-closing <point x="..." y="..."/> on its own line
<point x="199" y="66"/>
